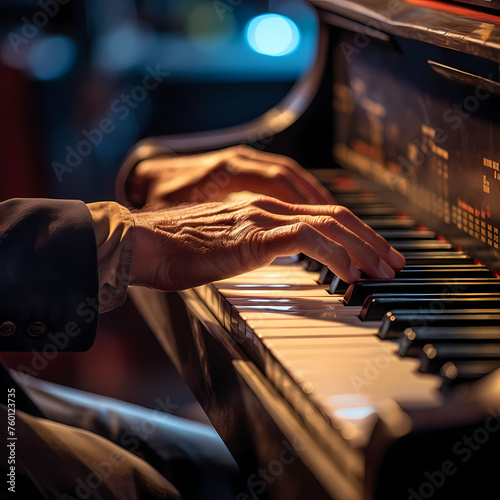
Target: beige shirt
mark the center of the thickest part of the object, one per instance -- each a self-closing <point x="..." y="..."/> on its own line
<point x="114" y="231"/>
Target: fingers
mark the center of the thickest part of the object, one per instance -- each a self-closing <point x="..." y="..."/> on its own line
<point x="343" y="226"/>
<point x="362" y="254"/>
<point x="313" y="192"/>
<point x="347" y="219"/>
<point x="282" y="169"/>
<point x="302" y="237"/>
<point x="317" y="193"/>
<point x="258" y="177"/>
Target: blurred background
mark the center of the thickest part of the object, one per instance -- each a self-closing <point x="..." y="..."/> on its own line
<point x="82" y="81"/>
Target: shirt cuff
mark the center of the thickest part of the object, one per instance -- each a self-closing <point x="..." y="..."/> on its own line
<point x="114" y="232"/>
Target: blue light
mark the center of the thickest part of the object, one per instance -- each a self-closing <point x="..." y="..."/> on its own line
<point x="121" y="48"/>
<point x="273" y="35"/>
<point x="51" y="57"/>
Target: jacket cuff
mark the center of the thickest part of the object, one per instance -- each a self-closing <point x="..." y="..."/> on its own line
<point x="48" y="276"/>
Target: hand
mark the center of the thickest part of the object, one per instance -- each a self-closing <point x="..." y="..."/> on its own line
<point x="160" y="182"/>
<point x="186" y="246"/>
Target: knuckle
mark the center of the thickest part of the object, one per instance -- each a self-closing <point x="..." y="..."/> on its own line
<point x="323" y="221"/>
<point x="257" y="216"/>
<point x="241" y="149"/>
<point x="231" y="165"/>
<point x="292" y="164"/>
<point x="277" y="172"/>
<point x="301" y="228"/>
<point x="261" y="201"/>
<point x="265" y="203"/>
<point x="254" y="213"/>
<point x="341" y="213"/>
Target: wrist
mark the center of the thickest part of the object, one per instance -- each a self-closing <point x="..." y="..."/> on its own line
<point x="143" y="268"/>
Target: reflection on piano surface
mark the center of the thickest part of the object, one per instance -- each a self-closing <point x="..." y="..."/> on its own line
<point x="382" y="388"/>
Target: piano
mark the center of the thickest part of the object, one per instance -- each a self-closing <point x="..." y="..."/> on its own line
<point x="385" y="389"/>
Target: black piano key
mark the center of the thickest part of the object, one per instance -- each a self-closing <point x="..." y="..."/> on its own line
<point x="423" y="245"/>
<point x="356" y="199"/>
<point x="407" y="234"/>
<point x="325" y="276"/>
<point x="419" y="258"/>
<point x="394" y="324"/>
<point x="435" y="355"/>
<point x="308" y="263"/>
<point x="312" y="265"/>
<point x="375" y="210"/>
<point x="466" y="371"/>
<point x="376" y="306"/>
<point x="338" y="286"/>
<point x="389" y="223"/>
<point x="413" y="340"/>
<point x="443" y="272"/>
<point x="411" y="272"/>
<point x="423" y="258"/>
<point x="446" y="267"/>
<point x="359" y="291"/>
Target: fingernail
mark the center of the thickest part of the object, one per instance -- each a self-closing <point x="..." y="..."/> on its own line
<point x="396" y="259"/>
<point x="355" y="272"/>
<point x="385" y="270"/>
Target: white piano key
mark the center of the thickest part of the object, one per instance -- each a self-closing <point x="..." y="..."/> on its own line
<point x="249" y="314"/>
<point x="306" y="326"/>
<point x="290" y="292"/>
<point x="330" y="302"/>
<point x="314" y="348"/>
<point x="266" y="280"/>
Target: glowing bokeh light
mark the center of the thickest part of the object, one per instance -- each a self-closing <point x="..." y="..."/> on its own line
<point x="122" y="48"/>
<point x="51" y="57"/>
<point x="272" y="34"/>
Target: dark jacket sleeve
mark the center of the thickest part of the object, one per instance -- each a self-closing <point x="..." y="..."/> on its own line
<point x="48" y="276"/>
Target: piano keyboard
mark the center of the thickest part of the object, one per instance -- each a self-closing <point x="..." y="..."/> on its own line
<point x="350" y="353"/>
